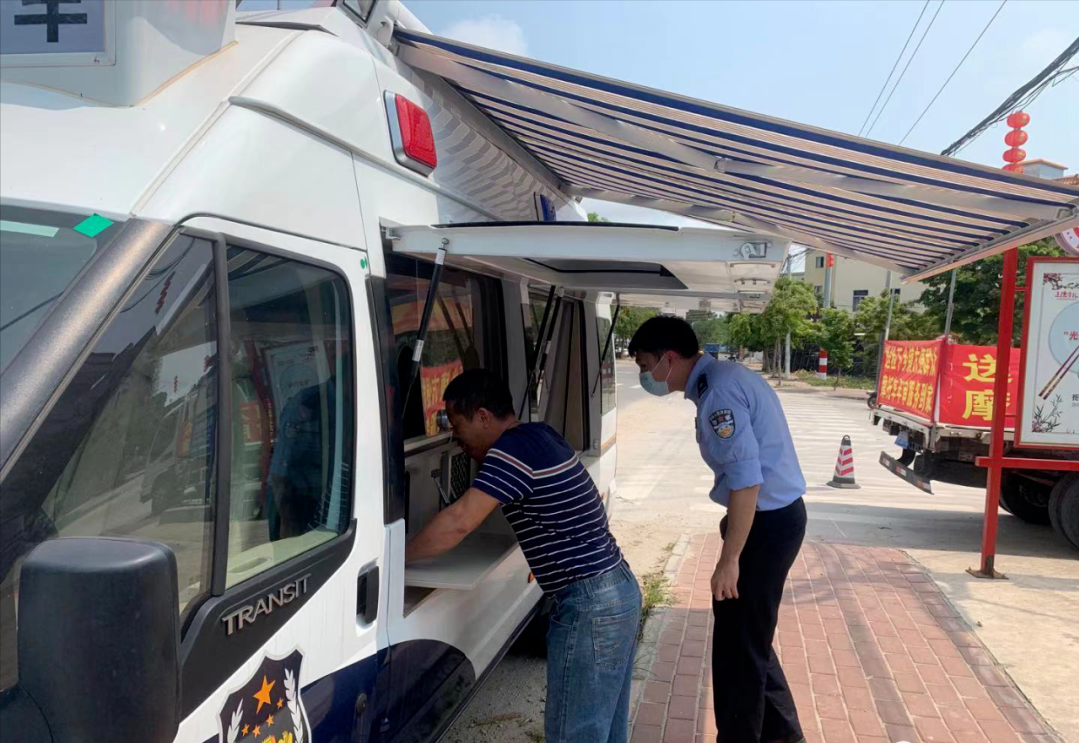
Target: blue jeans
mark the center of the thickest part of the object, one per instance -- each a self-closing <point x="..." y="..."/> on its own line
<point x="590" y="650"/>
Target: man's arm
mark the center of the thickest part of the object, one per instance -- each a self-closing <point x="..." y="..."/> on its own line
<point x="450" y="526"/>
<point x="740" y="513"/>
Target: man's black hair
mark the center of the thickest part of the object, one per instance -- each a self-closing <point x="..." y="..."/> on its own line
<point x="479" y="388"/>
<point x="665" y="333"/>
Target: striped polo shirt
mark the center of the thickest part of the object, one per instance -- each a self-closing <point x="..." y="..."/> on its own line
<point x="552" y="504"/>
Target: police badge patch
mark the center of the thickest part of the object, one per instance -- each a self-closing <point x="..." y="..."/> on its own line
<point x="722" y="423"/>
<point x="268" y="707"/>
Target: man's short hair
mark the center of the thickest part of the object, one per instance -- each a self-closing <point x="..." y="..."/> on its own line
<point x="479" y="388"/>
<point x="665" y="333"/>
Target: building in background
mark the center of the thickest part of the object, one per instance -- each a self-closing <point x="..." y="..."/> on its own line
<point x="853" y="281"/>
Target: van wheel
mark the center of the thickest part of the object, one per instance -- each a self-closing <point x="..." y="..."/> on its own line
<point x="1064" y="508"/>
<point x="1026" y="499"/>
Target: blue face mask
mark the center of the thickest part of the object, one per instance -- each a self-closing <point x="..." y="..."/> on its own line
<point x="653" y="386"/>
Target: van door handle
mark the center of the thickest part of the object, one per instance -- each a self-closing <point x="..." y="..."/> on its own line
<point x="367" y="589"/>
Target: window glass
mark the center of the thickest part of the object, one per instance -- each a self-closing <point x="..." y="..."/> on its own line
<point x="859" y="295"/>
<point x="40" y="253"/>
<point x="129" y="448"/>
<point x="455" y="336"/>
<point x="361" y="8"/>
<point x="292" y="402"/>
<point x="606" y="366"/>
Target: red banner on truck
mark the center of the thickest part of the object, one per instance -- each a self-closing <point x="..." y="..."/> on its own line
<point x="966" y="386"/>
<point x="909" y="376"/>
<point x="945" y="383"/>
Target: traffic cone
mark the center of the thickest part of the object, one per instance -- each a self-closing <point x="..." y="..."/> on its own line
<point x="843" y="477"/>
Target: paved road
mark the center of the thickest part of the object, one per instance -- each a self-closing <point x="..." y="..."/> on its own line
<point x="1028" y="622"/>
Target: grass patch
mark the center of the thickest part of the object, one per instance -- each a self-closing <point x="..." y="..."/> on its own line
<point x="850" y="383"/>
<point x="655" y="592"/>
<point x="535" y="735"/>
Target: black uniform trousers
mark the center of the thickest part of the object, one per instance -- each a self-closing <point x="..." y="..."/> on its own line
<point x="753" y="703"/>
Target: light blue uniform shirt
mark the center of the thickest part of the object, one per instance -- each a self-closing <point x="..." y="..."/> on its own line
<point x="743" y="434"/>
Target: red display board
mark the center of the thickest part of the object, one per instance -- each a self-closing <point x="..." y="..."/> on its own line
<point x="919" y="374"/>
<point x="966" y="386"/>
<point x="909" y="376"/>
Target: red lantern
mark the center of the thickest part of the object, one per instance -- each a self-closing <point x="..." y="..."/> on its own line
<point x="1015" y="138"/>
<point x="1014" y="168"/>
<point x="1015" y="155"/>
<point x="1018" y="120"/>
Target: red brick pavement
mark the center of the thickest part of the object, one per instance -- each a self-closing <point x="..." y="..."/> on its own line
<point x="870" y="646"/>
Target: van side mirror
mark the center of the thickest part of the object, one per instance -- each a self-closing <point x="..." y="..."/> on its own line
<point x="99" y="639"/>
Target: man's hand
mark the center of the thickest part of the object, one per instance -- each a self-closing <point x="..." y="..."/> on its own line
<point x="451" y="525"/>
<point x="725" y="580"/>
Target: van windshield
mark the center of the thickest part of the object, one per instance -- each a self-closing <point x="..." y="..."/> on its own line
<point x="40" y="253"/>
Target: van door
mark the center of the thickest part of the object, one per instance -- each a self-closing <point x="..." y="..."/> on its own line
<point x="217" y="414"/>
<point x="449" y="617"/>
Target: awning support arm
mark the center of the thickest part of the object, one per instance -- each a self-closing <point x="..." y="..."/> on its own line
<point x="606" y="346"/>
<point x="425" y="319"/>
<point x="727" y="217"/>
<point x="559" y="107"/>
<point x="543" y="344"/>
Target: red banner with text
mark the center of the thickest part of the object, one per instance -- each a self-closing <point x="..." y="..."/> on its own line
<point x="966" y="386"/>
<point x="908" y="378"/>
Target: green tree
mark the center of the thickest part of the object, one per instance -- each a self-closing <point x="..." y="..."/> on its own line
<point x="712" y="330"/>
<point x="835" y="334"/>
<point x="791" y="310"/>
<point x="595" y="217"/>
<point x="908" y="324"/>
<point x="745" y="332"/>
<point x="977" y="295"/>
<point x="631" y="318"/>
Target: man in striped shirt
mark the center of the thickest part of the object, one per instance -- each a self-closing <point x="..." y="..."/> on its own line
<point x="556" y="512"/>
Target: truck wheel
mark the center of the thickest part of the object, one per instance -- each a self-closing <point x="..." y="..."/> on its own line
<point x="1025" y="499"/>
<point x="1064" y="508"/>
<point x="907" y="457"/>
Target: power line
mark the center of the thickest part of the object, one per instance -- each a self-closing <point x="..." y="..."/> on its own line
<point x="906" y="67"/>
<point x="1023" y="96"/>
<point x="945" y="85"/>
<point x="894" y="66"/>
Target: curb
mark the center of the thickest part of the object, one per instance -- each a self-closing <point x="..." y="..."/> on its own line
<point x="653" y="625"/>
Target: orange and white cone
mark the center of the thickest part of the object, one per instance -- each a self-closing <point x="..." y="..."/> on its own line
<point x="843" y="477"/>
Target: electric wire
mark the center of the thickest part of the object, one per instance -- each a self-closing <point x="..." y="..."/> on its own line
<point x="906" y="67"/>
<point x="888" y="79"/>
<point x="945" y="85"/>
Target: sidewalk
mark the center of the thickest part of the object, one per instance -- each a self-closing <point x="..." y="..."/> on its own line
<point x="872" y="650"/>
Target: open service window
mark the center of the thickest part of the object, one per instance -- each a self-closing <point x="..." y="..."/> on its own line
<point x="645" y="265"/>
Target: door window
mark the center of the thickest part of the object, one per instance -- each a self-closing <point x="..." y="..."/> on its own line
<point x="292" y="410"/>
<point x="460" y="335"/>
<point x="129" y="448"/>
<point x="532" y="312"/>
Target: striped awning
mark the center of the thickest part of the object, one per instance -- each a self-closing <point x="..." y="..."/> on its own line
<point x="910" y="211"/>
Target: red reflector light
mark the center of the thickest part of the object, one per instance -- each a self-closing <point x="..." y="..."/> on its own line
<point x="411" y="134"/>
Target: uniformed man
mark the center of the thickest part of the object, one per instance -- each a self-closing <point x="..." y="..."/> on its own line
<point x="744" y="439"/>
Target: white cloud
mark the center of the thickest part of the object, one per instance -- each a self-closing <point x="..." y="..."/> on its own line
<point x="491" y="31"/>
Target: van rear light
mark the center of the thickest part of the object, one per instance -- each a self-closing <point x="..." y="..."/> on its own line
<point x="411" y="134"/>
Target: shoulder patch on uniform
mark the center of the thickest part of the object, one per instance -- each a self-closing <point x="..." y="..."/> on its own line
<point x="722" y="423"/>
<point x="702" y="385"/>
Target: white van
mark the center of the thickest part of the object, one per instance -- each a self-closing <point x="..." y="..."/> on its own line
<point x="223" y="244"/>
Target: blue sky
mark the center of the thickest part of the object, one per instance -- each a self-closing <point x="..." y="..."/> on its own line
<point x="818" y="63"/>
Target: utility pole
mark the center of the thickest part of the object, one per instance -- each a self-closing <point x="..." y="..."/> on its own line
<point x="787" y="353"/>
<point x="951" y="307"/>
<point x="887" y="325"/>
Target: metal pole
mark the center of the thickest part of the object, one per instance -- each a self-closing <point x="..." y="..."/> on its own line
<point x="887" y="325"/>
<point x="951" y="306"/>
<point x="1000" y="408"/>
<point x="827" y="284"/>
<point x="787" y="358"/>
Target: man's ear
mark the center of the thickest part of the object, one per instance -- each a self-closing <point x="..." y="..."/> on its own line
<point x="485" y="417"/>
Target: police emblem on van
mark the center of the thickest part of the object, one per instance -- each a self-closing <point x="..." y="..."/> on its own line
<point x="268" y="707"/>
<point x="722" y="423"/>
